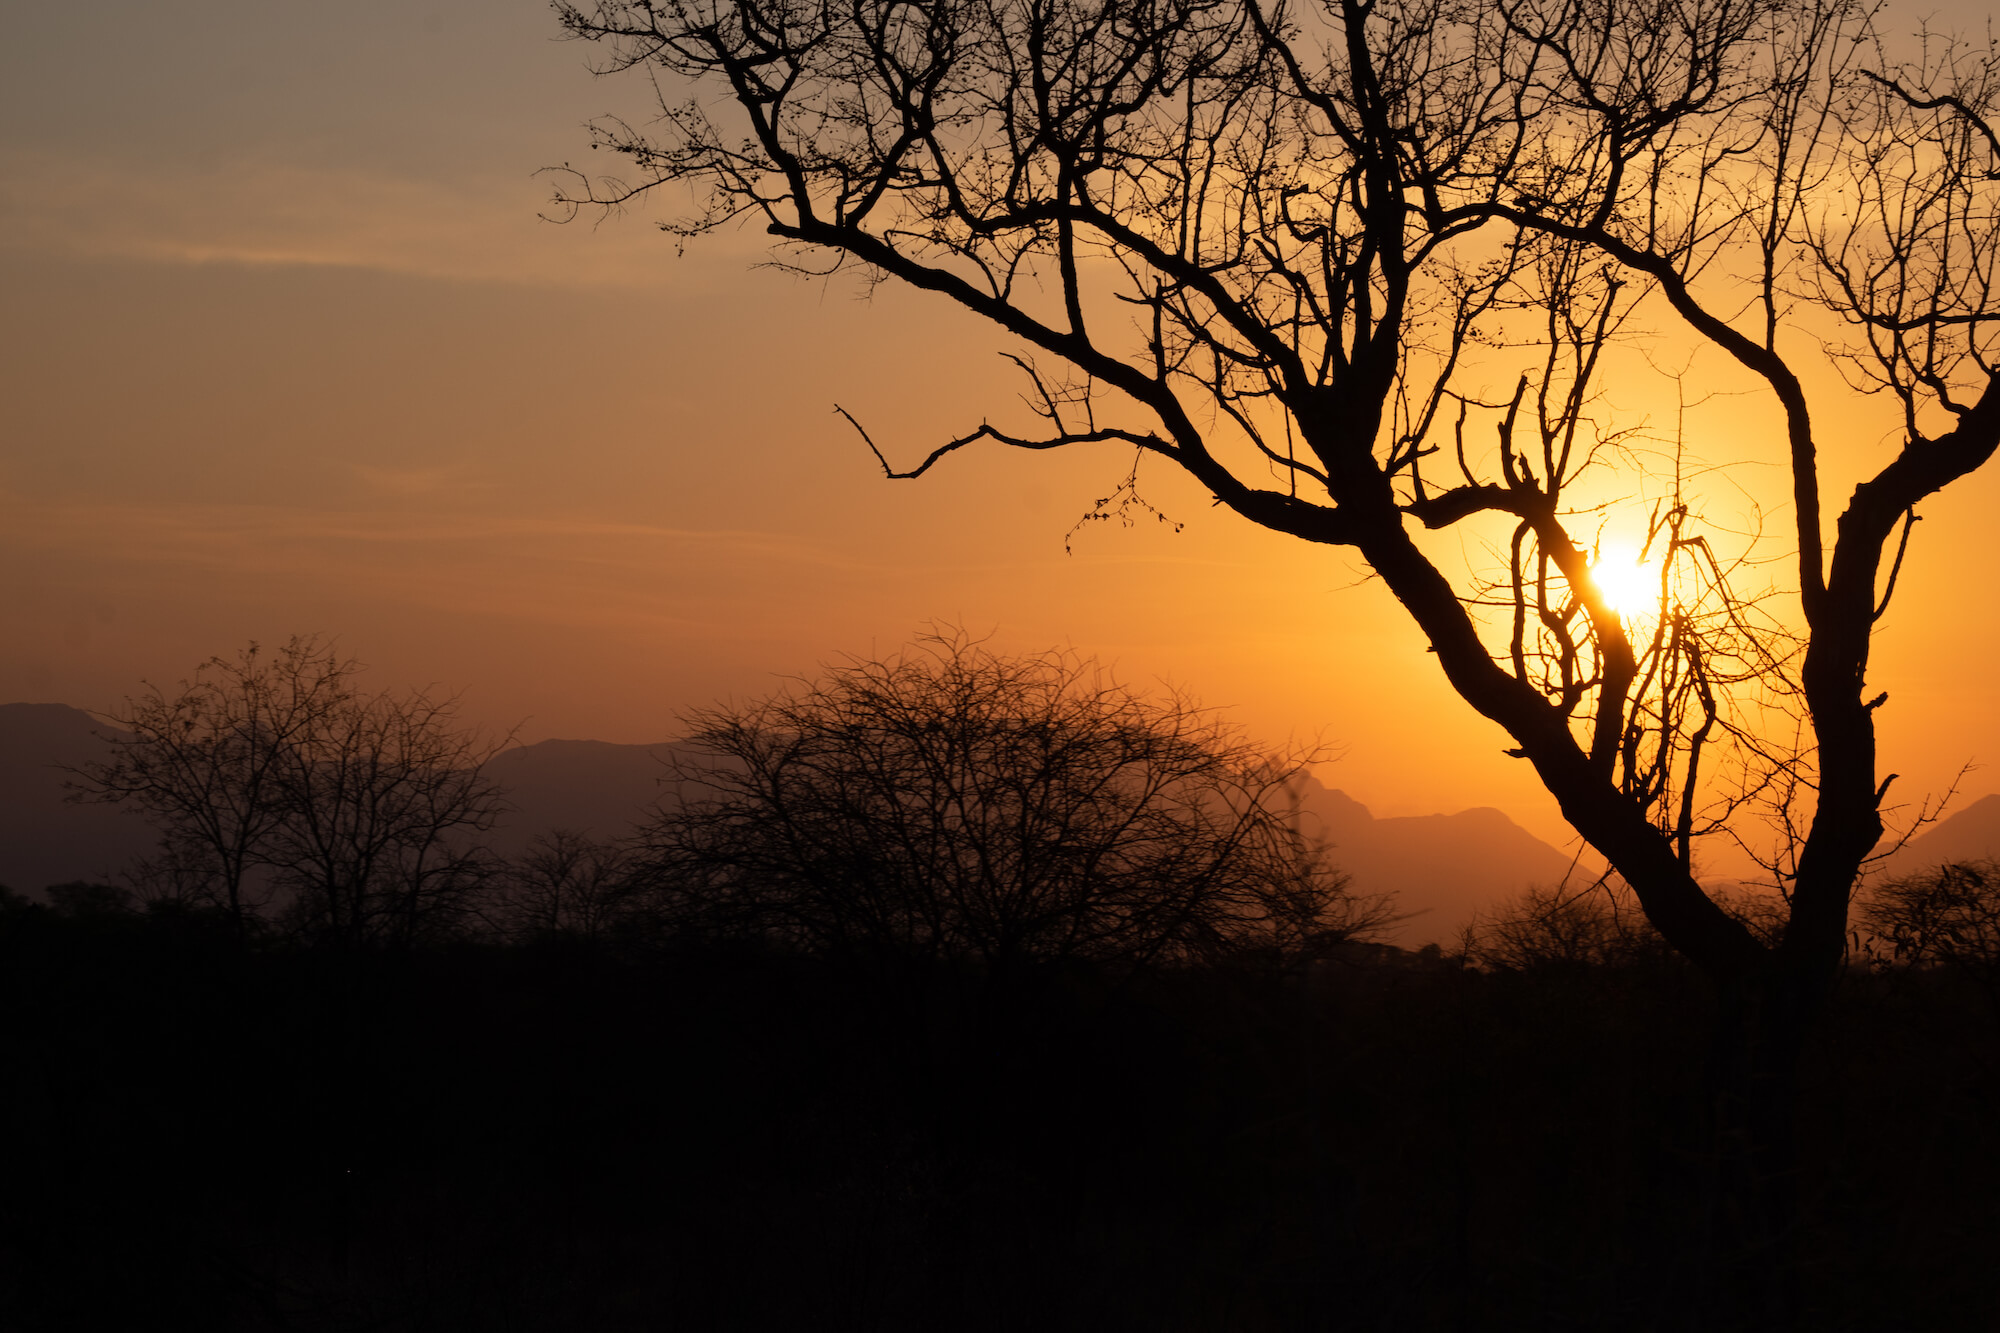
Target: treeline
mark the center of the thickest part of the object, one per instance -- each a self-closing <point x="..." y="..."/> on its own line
<point x="949" y="803"/>
<point x="946" y="805"/>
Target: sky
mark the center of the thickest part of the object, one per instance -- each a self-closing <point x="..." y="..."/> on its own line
<point x="287" y="347"/>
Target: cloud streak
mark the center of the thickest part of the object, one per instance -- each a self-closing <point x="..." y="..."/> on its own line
<point x="261" y="214"/>
<point x="548" y="570"/>
<point x="227" y="531"/>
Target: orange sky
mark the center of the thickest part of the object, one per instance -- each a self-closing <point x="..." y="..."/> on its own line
<point x="285" y="348"/>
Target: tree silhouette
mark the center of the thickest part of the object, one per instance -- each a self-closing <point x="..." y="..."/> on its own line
<point x="274" y="778"/>
<point x="1544" y="928"/>
<point x="204" y="763"/>
<point x="565" y="883"/>
<point x="1947" y="917"/>
<point x="950" y="805"/>
<point x="1289" y="248"/>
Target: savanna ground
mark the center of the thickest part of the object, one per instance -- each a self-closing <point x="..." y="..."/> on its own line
<point x="639" y="1134"/>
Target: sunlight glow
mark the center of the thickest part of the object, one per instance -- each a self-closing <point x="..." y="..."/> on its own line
<point x="1628" y="586"/>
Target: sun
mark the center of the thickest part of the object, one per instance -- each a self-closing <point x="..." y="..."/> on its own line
<point x="1628" y="585"/>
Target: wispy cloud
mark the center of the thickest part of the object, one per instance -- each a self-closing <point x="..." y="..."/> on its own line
<point x="533" y="570"/>
<point x="255" y="213"/>
<point x="552" y="571"/>
<point x="409" y="482"/>
<point x="225" y="530"/>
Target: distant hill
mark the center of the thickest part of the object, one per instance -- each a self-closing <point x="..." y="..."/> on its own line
<point x="590" y="786"/>
<point x="1443" y="867"/>
<point x="44" y="838"/>
<point x="1973" y="834"/>
<point x="593" y="787"/>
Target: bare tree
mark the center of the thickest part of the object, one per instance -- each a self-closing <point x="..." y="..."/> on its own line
<point x="204" y="763"/>
<point x="1302" y="908"/>
<point x="567" y="883"/>
<point x="377" y="808"/>
<point x="1562" y="927"/>
<point x="1360" y="267"/>
<point x="274" y="778"/>
<point x="952" y="804"/>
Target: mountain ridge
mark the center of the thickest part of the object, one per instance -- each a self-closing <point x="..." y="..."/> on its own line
<point x="1443" y="868"/>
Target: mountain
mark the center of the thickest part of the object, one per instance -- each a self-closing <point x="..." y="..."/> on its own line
<point x="1973" y="834"/>
<point x="592" y="787"/>
<point x="1442" y="867"/>
<point x="45" y="838"/>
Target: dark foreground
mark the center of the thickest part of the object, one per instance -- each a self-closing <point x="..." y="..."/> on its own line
<point x="590" y="1137"/>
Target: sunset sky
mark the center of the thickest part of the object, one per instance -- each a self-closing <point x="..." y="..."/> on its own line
<point x="288" y="349"/>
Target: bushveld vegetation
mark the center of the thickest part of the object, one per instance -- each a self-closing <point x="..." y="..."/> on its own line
<point x="846" y="1039"/>
<point x="948" y="805"/>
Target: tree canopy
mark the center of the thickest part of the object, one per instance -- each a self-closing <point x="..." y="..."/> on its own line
<point x="276" y="781"/>
<point x="951" y="804"/>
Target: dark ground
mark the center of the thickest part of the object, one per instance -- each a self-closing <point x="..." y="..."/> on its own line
<point x="609" y="1138"/>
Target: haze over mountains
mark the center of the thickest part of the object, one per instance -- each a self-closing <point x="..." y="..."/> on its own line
<point x="1443" y="867"/>
<point x="44" y="837"/>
